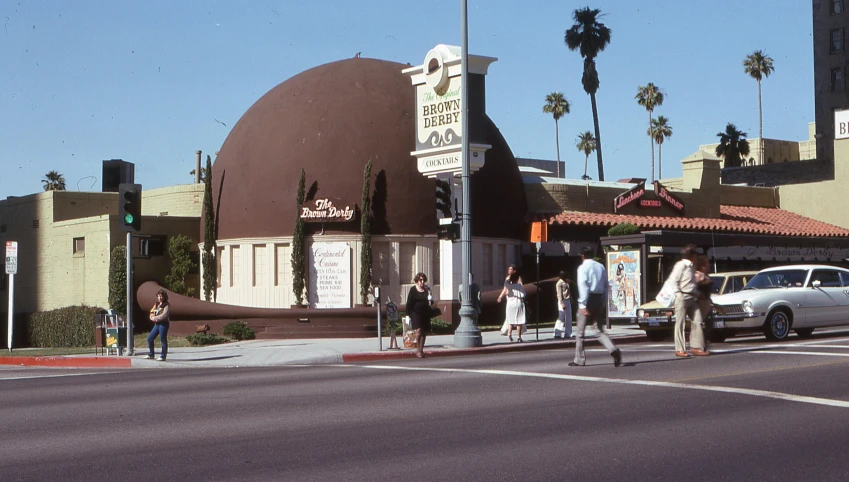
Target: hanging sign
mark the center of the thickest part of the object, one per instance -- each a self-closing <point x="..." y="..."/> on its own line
<point x="667" y="197"/>
<point x="629" y="197"/>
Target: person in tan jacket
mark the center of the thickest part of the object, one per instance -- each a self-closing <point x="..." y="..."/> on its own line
<point x="160" y="315"/>
<point x="683" y="277"/>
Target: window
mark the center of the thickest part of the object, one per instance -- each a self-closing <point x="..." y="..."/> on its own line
<point x="486" y="265"/>
<point x="219" y="255"/>
<point x="836" y="7"/>
<point x="36" y="223"/>
<point x="235" y="265"/>
<point x="282" y="263"/>
<point x="845" y="277"/>
<point x="407" y="262"/>
<point x="79" y="246"/>
<point x="151" y="246"/>
<point x="837" y="80"/>
<point x="828" y="278"/>
<point x="260" y="266"/>
<point x="736" y="285"/>
<point x="836" y="37"/>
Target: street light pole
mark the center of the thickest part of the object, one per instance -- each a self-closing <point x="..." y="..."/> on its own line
<point x="467" y="334"/>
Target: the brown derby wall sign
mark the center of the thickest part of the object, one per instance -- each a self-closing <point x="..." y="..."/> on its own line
<point x="328" y="210"/>
<point x="668" y="197"/>
<point x="629" y="196"/>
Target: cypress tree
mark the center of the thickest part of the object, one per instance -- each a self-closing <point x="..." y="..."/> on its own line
<point x="298" y="262"/>
<point x="210" y="276"/>
<point x="365" y="232"/>
<point x="118" y="279"/>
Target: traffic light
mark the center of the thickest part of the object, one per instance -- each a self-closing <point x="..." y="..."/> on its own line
<point x="443" y="198"/>
<point x="129" y="206"/>
<point x="448" y="229"/>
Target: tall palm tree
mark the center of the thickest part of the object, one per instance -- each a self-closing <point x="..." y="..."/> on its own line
<point x="53" y="181"/>
<point x="587" y="144"/>
<point x="557" y="106"/>
<point x="650" y="96"/>
<point x="660" y="130"/>
<point x="589" y="37"/>
<point x="759" y="65"/>
<point x="733" y="146"/>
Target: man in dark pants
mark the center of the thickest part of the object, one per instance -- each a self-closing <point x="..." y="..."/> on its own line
<point x="592" y="307"/>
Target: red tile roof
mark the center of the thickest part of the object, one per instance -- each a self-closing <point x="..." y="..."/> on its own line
<point x="733" y="219"/>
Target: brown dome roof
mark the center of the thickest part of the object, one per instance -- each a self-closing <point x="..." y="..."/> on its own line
<point x="330" y="120"/>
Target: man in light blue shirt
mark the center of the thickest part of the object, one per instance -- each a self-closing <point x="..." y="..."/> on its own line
<point x="592" y="307"/>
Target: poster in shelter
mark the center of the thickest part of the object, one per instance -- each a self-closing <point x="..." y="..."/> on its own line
<point x="623" y="275"/>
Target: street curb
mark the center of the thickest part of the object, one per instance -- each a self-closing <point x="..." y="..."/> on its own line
<point x="67" y="361"/>
<point x="483" y="350"/>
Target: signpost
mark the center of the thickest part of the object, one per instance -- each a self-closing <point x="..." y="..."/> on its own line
<point x="11" y="270"/>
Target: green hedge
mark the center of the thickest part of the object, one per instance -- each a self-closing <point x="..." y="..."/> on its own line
<point x="70" y="326"/>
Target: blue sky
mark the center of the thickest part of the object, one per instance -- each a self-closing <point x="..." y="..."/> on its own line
<point x="153" y="81"/>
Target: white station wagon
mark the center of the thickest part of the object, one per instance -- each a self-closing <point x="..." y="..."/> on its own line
<point x="784" y="298"/>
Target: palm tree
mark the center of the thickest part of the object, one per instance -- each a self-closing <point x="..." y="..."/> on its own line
<point x="650" y="96"/>
<point x="759" y="65"/>
<point x="557" y="106"/>
<point x="587" y="144"/>
<point x="733" y="146"/>
<point x="53" y="181"/>
<point x="589" y="37"/>
<point x="660" y="130"/>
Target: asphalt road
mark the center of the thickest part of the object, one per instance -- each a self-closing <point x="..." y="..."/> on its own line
<point x="752" y="411"/>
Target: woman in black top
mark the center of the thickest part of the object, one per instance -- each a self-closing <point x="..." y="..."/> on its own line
<point x="419" y="301"/>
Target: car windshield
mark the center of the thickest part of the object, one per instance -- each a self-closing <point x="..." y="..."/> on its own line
<point x="785" y="278"/>
<point x="716" y="283"/>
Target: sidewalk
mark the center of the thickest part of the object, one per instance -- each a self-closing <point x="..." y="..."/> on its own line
<point x="256" y="353"/>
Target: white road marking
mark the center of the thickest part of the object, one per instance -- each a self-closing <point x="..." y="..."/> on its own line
<point x="738" y="391"/>
<point x="813" y="353"/>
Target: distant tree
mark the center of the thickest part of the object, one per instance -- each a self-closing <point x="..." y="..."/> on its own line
<point x="53" y="181"/>
<point x="203" y="173"/>
<point x="660" y="130"/>
<point x="586" y="144"/>
<point x="298" y="258"/>
<point x="365" y="236"/>
<point x="650" y="96"/>
<point x="759" y="65"/>
<point x="179" y="250"/>
<point x="733" y="146"/>
<point x="589" y="37"/>
<point x="557" y="106"/>
<point x="210" y="267"/>
<point x="118" y="279"/>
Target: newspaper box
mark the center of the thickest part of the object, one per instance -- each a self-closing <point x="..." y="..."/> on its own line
<point x="111" y="333"/>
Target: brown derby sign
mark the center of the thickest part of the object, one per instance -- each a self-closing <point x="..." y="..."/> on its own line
<point x="327" y="210"/>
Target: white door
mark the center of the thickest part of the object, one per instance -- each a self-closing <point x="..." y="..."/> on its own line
<point x="824" y="301"/>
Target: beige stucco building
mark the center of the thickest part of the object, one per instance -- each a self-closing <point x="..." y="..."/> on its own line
<point x="65" y="239"/>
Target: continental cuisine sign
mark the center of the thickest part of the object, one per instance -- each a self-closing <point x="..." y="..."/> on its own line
<point x="327" y="210"/>
<point x="637" y="196"/>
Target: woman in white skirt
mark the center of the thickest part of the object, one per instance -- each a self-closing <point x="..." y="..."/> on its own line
<point x="515" y="293"/>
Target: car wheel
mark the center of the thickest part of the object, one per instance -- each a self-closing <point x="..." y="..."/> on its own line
<point x="656" y="335"/>
<point x="804" y="332"/>
<point x="777" y="325"/>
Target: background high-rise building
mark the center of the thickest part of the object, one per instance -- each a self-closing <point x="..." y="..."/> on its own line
<point x="831" y="63"/>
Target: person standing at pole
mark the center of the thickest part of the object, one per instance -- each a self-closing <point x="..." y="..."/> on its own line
<point x="160" y="315"/>
<point x="592" y="305"/>
<point x="563" y="327"/>
<point x="683" y="278"/>
<point x="419" y="301"/>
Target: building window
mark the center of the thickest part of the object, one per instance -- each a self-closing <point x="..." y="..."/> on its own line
<point x="282" y="263"/>
<point x="836" y="7"/>
<point x="837" y="80"/>
<point x="79" y="246"/>
<point x="235" y="265"/>
<point x="35" y="223"/>
<point x="836" y="37"/>
<point x="260" y="266"/>
<point x="407" y="262"/>
<point x="486" y="264"/>
<point x="151" y="246"/>
<point x="219" y="255"/>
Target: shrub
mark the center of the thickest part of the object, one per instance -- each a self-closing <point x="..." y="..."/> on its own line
<point x="179" y="250"/>
<point x="203" y="339"/>
<point x="441" y="327"/>
<point x="623" y="229"/>
<point x="239" y="331"/>
<point x="69" y="326"/>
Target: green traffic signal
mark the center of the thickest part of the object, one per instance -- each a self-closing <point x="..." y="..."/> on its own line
<point x="128" y="219"/>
